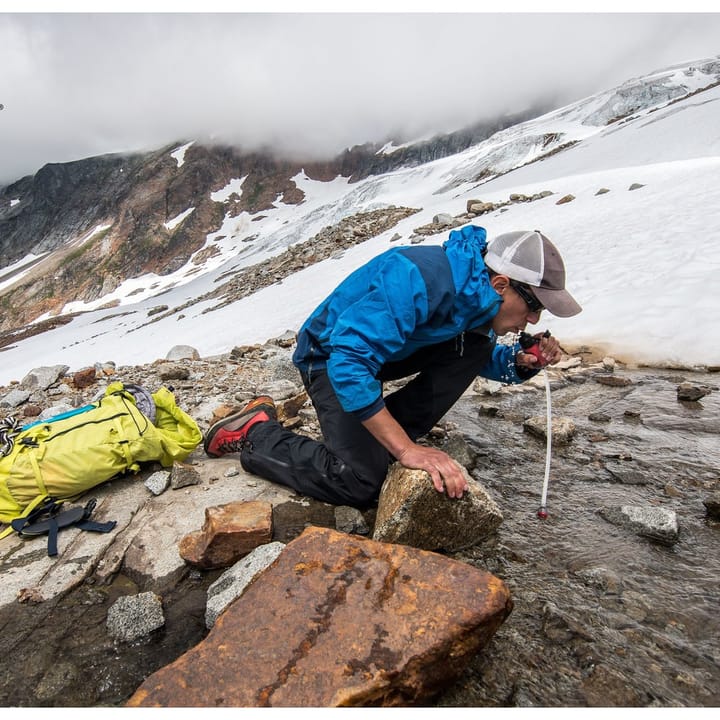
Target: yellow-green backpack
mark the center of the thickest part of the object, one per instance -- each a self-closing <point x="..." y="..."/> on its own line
<point x="63" y="457"/>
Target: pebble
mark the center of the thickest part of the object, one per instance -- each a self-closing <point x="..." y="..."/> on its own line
<point x="158" y="482"/>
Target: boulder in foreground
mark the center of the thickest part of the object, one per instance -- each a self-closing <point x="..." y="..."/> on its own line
<point x="338" y="620"/>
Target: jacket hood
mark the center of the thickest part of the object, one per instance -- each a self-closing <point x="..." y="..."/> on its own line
<point x="477" y="302"/>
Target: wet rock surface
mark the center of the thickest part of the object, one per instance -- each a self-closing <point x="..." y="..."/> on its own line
<point x="602" y="616"/>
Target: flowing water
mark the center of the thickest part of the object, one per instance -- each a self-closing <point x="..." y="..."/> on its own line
<point x="602" y="616"/>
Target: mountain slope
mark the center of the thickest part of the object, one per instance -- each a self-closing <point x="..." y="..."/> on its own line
<point x="661" y="135"/>
<point x="76" y="230"/>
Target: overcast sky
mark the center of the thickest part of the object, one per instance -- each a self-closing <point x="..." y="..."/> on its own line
<point x="76" y="84"/>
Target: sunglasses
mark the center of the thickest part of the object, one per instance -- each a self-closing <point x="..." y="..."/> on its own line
<point x="534" y="305"/>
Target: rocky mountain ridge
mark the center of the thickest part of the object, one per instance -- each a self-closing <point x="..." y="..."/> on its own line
<point x="85" y="227"/>
<point x="104" y="219"/>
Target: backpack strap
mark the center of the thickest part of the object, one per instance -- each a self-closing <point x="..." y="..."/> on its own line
<point x="34" y="523"/>
<point x="28" y="509"/>
<point x="31" y="524"/>
<point x="38" y="475"/>
<point x="86" y="524"/>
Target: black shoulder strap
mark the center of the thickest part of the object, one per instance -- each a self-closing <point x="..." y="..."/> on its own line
<point x="35" y="523"/>
<point x="86" y="524"/>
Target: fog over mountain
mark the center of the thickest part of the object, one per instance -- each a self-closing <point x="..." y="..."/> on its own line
<point x="120" y="258"/>
<point x="78" y="84"/>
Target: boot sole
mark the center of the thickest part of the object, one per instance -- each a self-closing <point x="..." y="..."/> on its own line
<point x="245" y="415"/>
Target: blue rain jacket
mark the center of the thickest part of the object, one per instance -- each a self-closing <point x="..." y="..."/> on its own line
<point x="398" y="302"/>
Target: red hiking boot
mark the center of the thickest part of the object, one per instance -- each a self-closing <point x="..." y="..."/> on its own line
<point x="229" y="434"/>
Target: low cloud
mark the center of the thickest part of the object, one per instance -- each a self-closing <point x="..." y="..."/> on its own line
<point x="76" y="85"/>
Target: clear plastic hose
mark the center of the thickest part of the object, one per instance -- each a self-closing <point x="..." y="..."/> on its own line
<point x="542" y="512"/>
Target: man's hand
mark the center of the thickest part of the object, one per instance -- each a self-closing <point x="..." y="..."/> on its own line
<point x="446" y="474"/>
<point x="549" y="350"/>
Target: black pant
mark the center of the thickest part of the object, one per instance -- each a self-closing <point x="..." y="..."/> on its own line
<point x="349" y="468"/>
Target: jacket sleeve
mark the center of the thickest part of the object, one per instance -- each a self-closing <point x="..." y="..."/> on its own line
<point x="501" y="366"/>
<point x="371" y="330"/>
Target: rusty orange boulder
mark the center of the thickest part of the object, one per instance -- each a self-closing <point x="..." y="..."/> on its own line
<point x="338" y="620"/>
<point x="228" y="534"/>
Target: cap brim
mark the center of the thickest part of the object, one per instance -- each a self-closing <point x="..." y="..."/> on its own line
<point x="558" y="302"/>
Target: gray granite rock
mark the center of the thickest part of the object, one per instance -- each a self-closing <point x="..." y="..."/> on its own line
<point x="652" y="522"/>
<point x="132" y="617"/>
<point x="232" y="583"/>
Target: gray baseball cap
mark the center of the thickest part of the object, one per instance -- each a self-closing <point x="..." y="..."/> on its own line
<point x="529" y="257"/>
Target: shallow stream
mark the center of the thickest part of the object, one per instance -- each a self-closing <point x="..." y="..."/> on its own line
<point x="602" y="616"/>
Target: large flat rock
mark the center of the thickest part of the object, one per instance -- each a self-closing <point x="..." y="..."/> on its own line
<point x="145" y="540"/>
<point x="338" y="620"/>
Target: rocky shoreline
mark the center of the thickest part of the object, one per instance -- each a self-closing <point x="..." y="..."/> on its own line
<point x="143" y="558"/>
